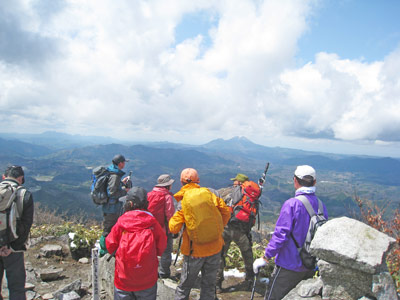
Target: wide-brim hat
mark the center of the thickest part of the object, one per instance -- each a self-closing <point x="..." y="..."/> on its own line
<point x="164" y="180"/>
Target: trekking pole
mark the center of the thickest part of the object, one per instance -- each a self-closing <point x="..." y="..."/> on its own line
<point x="179" y="245"/>
<point x="262" y="178"/>
<point x="254" y="286"/>
<point x="261" y="182"/>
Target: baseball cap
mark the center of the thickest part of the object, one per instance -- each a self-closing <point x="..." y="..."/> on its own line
<point x="119" y="158"/>
<point x="137" y="195"/>
<point x="240" y="177"/>
<point x="305" y="172"/>
<point x="164" y="180"/>
<point x="190" y="175"/>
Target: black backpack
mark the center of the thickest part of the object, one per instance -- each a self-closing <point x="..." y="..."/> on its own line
<point x="98" y="190"/>
<point x="316" y="220"/>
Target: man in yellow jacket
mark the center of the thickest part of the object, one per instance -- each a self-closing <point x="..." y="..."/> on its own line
<point x="204" y="216"/>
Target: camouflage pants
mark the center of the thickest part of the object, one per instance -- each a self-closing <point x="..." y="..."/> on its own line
<point x="240" y="237"/>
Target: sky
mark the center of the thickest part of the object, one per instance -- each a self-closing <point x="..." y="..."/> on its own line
<point x="319" y="75"/>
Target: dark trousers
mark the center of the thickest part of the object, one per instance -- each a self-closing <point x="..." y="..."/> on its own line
<point x="237" y="234"/>
<point x="14" y="267"/>
<point x="283" y="281"/>
<point x="109" y="221"/>
<point x="192" y="266"/>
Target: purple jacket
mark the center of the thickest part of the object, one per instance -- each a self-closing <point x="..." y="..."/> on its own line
<point x="292" y="218"/>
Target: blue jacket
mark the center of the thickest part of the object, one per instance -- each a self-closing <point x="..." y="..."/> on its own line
<point x="294" y="219"/>
<point x="114" y="190"/>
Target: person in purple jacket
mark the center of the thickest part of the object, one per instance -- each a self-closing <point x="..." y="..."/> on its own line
<point x="293" y="222"/>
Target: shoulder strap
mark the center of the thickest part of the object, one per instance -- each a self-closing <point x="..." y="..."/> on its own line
<point x="310" y="211"/>
<point x="307" y="204"/>
<point x="320" y="207"/>
<point x="21" y="191"/>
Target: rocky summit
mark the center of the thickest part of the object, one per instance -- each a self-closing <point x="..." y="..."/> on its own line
<point x="351" y="267"/>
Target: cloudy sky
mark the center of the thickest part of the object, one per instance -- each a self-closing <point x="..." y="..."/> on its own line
<point x="316" y="75"/>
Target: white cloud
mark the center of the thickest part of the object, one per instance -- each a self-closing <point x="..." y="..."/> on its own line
<point x="113" y="68"/>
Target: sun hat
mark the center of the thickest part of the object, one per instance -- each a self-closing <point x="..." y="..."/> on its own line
<point x="164" y="180"/>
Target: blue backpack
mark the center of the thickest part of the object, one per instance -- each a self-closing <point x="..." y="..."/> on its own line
<point x="98" y="190"/>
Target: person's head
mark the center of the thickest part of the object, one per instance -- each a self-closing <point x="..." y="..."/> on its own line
<point x="189" y="175"/>
<point x="15" y="172"/>
<point x="119" y="160"/>
<point x="165" y="181"/>
<point x="305" y="176"/>
<point x="136" y="198"/>
<point x="239" y="179"/>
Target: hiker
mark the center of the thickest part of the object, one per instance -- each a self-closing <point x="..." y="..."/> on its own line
<point x="161" y="205"/>
<point x="293" y="223"/>
<point x="136" y="239"/>
<point x="12" y="253"/>
<point x="115" y="189"/>
<point x="203" y="216"/>
<point x="237" y="231"/>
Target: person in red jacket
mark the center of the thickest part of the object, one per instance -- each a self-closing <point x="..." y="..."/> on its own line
<point x="136" y="239"/>
<point x="161" y="205"/>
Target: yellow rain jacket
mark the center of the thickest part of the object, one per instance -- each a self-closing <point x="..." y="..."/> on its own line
<point x="178" y="220"/>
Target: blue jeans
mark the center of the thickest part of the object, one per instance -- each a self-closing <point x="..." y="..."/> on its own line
<point x="148" y="294"/>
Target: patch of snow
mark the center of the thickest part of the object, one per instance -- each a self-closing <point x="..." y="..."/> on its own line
<point x="234" y="273"/>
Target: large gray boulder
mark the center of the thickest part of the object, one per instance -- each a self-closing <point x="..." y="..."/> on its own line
<point x="352" y="244"/>
<point x="343" y="283"/>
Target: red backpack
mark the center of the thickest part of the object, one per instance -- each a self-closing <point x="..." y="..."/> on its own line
<point x="157" y="206"/>
<point x="247" y="208"/>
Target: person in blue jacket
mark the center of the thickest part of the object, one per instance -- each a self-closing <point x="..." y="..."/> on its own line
<point x="293" y="222"/>
<point x="116" y="189"/>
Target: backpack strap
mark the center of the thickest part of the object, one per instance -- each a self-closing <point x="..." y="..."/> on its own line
<point x="308" y="206"/>
<point x="310" y="211"/>
<point x="21" y="192"/>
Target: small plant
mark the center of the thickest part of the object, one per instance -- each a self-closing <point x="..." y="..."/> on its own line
<point x="234" y="258"/>
<point x="82" y="236"/>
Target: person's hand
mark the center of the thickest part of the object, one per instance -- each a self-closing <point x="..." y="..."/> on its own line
<point x="259" y="263"/>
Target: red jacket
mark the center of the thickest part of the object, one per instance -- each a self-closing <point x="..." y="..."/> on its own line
<point x="161" y="205"/>
<point x="138" y="239"/>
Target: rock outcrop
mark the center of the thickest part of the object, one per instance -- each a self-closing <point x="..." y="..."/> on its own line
<point x="352" y="263"/>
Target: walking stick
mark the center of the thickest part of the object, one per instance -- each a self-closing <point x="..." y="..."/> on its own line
<point x="254" y="286"/>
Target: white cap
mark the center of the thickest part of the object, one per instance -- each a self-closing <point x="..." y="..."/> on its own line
<point x="305" y="170"/>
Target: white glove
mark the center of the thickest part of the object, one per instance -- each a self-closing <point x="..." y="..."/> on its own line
<point x="259" y="263"/>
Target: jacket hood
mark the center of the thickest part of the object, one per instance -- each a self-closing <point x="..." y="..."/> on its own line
<point x="114" y="169"/>
<point x="179" y="195"/>
<point x="134" y="220"/>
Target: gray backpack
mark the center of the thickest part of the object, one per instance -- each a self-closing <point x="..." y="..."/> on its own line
<point x="316" y="220"/>
<point x="11" y="205"/>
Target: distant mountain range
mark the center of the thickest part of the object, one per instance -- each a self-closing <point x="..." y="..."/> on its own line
<point x="59" y="173"/>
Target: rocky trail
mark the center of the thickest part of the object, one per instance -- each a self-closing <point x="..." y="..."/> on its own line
<point x="52" y="273"/>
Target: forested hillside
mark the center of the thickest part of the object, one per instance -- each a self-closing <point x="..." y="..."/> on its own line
<point x="60" y="178"/>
